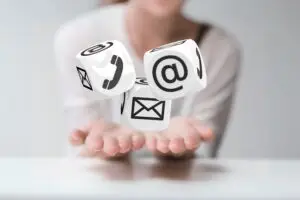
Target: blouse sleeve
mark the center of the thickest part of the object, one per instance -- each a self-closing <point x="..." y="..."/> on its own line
<point x="80" y="107"/>
<point x="212" y="106"/>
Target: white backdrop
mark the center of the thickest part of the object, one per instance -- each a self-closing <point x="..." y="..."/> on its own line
<point x="264" y="122"/>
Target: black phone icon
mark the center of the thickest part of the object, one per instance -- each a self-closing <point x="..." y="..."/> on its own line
<point x="110" y="84"/>
<point x="199" y="70"/>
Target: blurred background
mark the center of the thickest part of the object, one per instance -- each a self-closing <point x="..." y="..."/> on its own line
<point x="264" y="122"/>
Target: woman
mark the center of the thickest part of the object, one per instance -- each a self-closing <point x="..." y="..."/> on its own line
<point x="197" y="121"/>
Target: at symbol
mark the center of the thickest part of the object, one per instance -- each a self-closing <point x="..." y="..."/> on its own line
<point x="96" y="49"/>
<point x="141" y="81"/>
<point x="174" y="68"/>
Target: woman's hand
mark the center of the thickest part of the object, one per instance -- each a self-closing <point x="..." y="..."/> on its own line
<point x="106" y="140"/>
<point x="183" y="137"/>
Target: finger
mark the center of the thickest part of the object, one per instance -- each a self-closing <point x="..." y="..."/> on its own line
<point x="138" y="141"/>
<point x="77" y="137"/>
<point x="162" y="143"/>
<point x="125" y="143"/>
<point x="177" y="145"/>
<point x="192" y="139"/>
<point x="151" y="142"/>
<point x="111" y="146"/>
<point x="94" y="140"/>
<point x="206" y="133"/>
<point x="122" y="137"/>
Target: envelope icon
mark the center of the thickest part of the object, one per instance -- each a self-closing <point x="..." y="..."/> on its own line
<point x="85" y="81"/>
<point x="147" y="108"/>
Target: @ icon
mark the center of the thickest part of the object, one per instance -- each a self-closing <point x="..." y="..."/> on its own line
<point x="171" y="64"/>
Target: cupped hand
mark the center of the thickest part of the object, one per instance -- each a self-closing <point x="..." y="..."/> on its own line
<point x="183" y="135"/>
<point x="106" y="140"/>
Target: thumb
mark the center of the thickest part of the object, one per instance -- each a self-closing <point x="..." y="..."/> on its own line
<point x="206" y="133"/>
<point x="78" y="135"/>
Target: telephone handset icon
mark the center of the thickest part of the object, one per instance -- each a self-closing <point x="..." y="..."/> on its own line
<point x="110" y="84"/>
<point x="199" y="70"/>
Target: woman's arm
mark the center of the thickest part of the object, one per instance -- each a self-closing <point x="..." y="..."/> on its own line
<point x="212" y="106"/>
<point x="87" y="114"/>
<point x="79" y="106"/>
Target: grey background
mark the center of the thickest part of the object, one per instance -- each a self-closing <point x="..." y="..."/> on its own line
<point x="264" y="123"/>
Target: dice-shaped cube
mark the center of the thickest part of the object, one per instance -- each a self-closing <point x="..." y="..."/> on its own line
<point x="106" y="68"/>
<point x="175" y="70"/>
<point x="141" y="110"/>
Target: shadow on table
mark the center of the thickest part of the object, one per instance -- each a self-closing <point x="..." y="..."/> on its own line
<point x="115" y="169"/>
<point x="186" y="170"/>
<point x="167" y="169"/>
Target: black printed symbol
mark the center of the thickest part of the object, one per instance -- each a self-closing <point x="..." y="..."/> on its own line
<point x="168" y="45"/>
<point x="174" y="68"/>
<point x="199" y="70"/>
<point x="123" y="103"/>
<point x="110" y="84"/>
<point x="141" y="81"/>
<point x="147" y="108"/>
<point x="96" y="49"/>
<point x="85" y="81"/>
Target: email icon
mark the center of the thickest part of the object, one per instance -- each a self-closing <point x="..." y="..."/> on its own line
<point x="85" y="81"/>
<point x="147" y="108"/>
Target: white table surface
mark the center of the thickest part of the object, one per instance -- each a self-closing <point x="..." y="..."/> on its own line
<point x="147" y="178"/>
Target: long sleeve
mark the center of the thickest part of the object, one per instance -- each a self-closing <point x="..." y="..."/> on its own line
<point x="80" y="106"/>
<point x="213" y="105"/>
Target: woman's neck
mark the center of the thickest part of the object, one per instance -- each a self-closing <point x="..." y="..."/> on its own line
<point x="147" y="31"/>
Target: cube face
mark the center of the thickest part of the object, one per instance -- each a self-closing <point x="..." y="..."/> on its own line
<point x="86" y="85"/>
<point x="169" y="45"/>
<point x="201" y="70"/>
<point x="110" y="69"/>
<point x="123" y="101"/>
<point x="173" y="70"/>
<point x="142" y="111"/>
<point x="84" y="78"/>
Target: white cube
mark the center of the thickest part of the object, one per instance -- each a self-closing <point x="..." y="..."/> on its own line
<point x="175" y="70"/>
<point x="109" y="67"/>
<point x="141" y="110"/>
